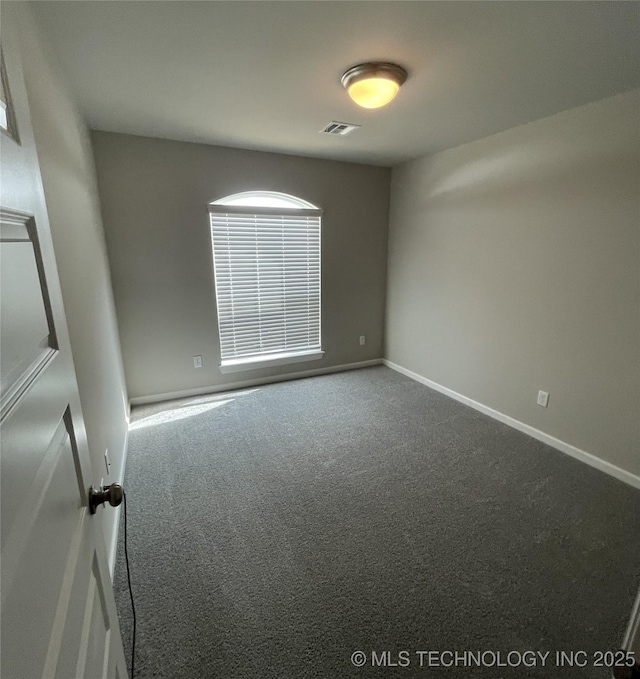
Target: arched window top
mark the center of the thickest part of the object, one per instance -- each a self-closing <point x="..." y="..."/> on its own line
<point x="265" y="199"/>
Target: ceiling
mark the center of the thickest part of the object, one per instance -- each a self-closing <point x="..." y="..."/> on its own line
<point x="266" y="75"/>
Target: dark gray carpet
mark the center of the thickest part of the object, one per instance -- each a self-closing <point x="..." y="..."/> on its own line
<point x="275" y="531"/>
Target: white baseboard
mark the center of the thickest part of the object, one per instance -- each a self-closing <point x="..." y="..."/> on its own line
<point x="113" y="543"/>
<point x="582" y="455"/>
<point x="169" y="396"/>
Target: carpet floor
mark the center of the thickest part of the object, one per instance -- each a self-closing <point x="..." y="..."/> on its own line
<point x="275" y="531"/>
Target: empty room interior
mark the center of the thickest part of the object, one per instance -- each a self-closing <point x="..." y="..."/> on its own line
<point x="320" y="336"/>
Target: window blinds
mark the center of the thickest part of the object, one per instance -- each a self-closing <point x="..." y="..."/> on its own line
<point x="267" y="274"/>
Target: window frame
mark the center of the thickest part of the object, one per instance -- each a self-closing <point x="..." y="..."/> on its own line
<point x="299" y="207"/>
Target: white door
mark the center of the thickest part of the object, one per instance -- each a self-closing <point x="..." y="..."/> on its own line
<point x="58" y="609"/>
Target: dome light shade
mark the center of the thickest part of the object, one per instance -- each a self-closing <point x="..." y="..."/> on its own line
<point x="375" y="84"/>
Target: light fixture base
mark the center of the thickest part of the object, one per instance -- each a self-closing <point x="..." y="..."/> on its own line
<point x="373" y="69"/>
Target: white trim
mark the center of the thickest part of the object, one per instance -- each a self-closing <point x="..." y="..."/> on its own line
<point x="113" y="547"/>
<point x="214" y="389"/>
<point x="582" y="455"/>
<point x="239" y="364"/>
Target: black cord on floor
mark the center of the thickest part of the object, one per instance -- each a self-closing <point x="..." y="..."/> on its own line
<point x="133" y="607"/>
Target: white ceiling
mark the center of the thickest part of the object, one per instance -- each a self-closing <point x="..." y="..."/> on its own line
<point x="266" y="75"/>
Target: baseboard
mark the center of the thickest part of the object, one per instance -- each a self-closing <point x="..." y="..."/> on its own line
<point x="582" y="455"/>
<point x="113" y="545"/>
<point x="169" y="396"/>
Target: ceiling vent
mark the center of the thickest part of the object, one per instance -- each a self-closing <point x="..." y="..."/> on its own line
<point x="339" y="129"/>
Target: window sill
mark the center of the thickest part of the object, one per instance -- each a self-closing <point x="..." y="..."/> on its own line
<point x="240" y="364"/>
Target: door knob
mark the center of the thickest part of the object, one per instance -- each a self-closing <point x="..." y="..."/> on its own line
<point x="111" y="494"/>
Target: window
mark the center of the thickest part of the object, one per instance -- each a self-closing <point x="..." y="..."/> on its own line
<point x="266" y="256"/>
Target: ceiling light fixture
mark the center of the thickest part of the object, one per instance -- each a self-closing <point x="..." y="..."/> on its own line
<point x="373" y="84"/>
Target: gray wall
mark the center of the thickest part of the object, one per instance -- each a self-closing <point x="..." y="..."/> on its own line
<point x="154" y="195"/>
<point x="514" y="265"/>
<point x="68" y="175"/>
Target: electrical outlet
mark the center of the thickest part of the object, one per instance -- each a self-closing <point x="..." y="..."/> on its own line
<point x="197" y="361"/>
<point x="543" y="399"/>
<point x="107" y="463"/>
<point x="363" y="340"/>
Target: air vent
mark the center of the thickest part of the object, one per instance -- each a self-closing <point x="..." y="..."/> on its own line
<point x="340" y="129"/>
